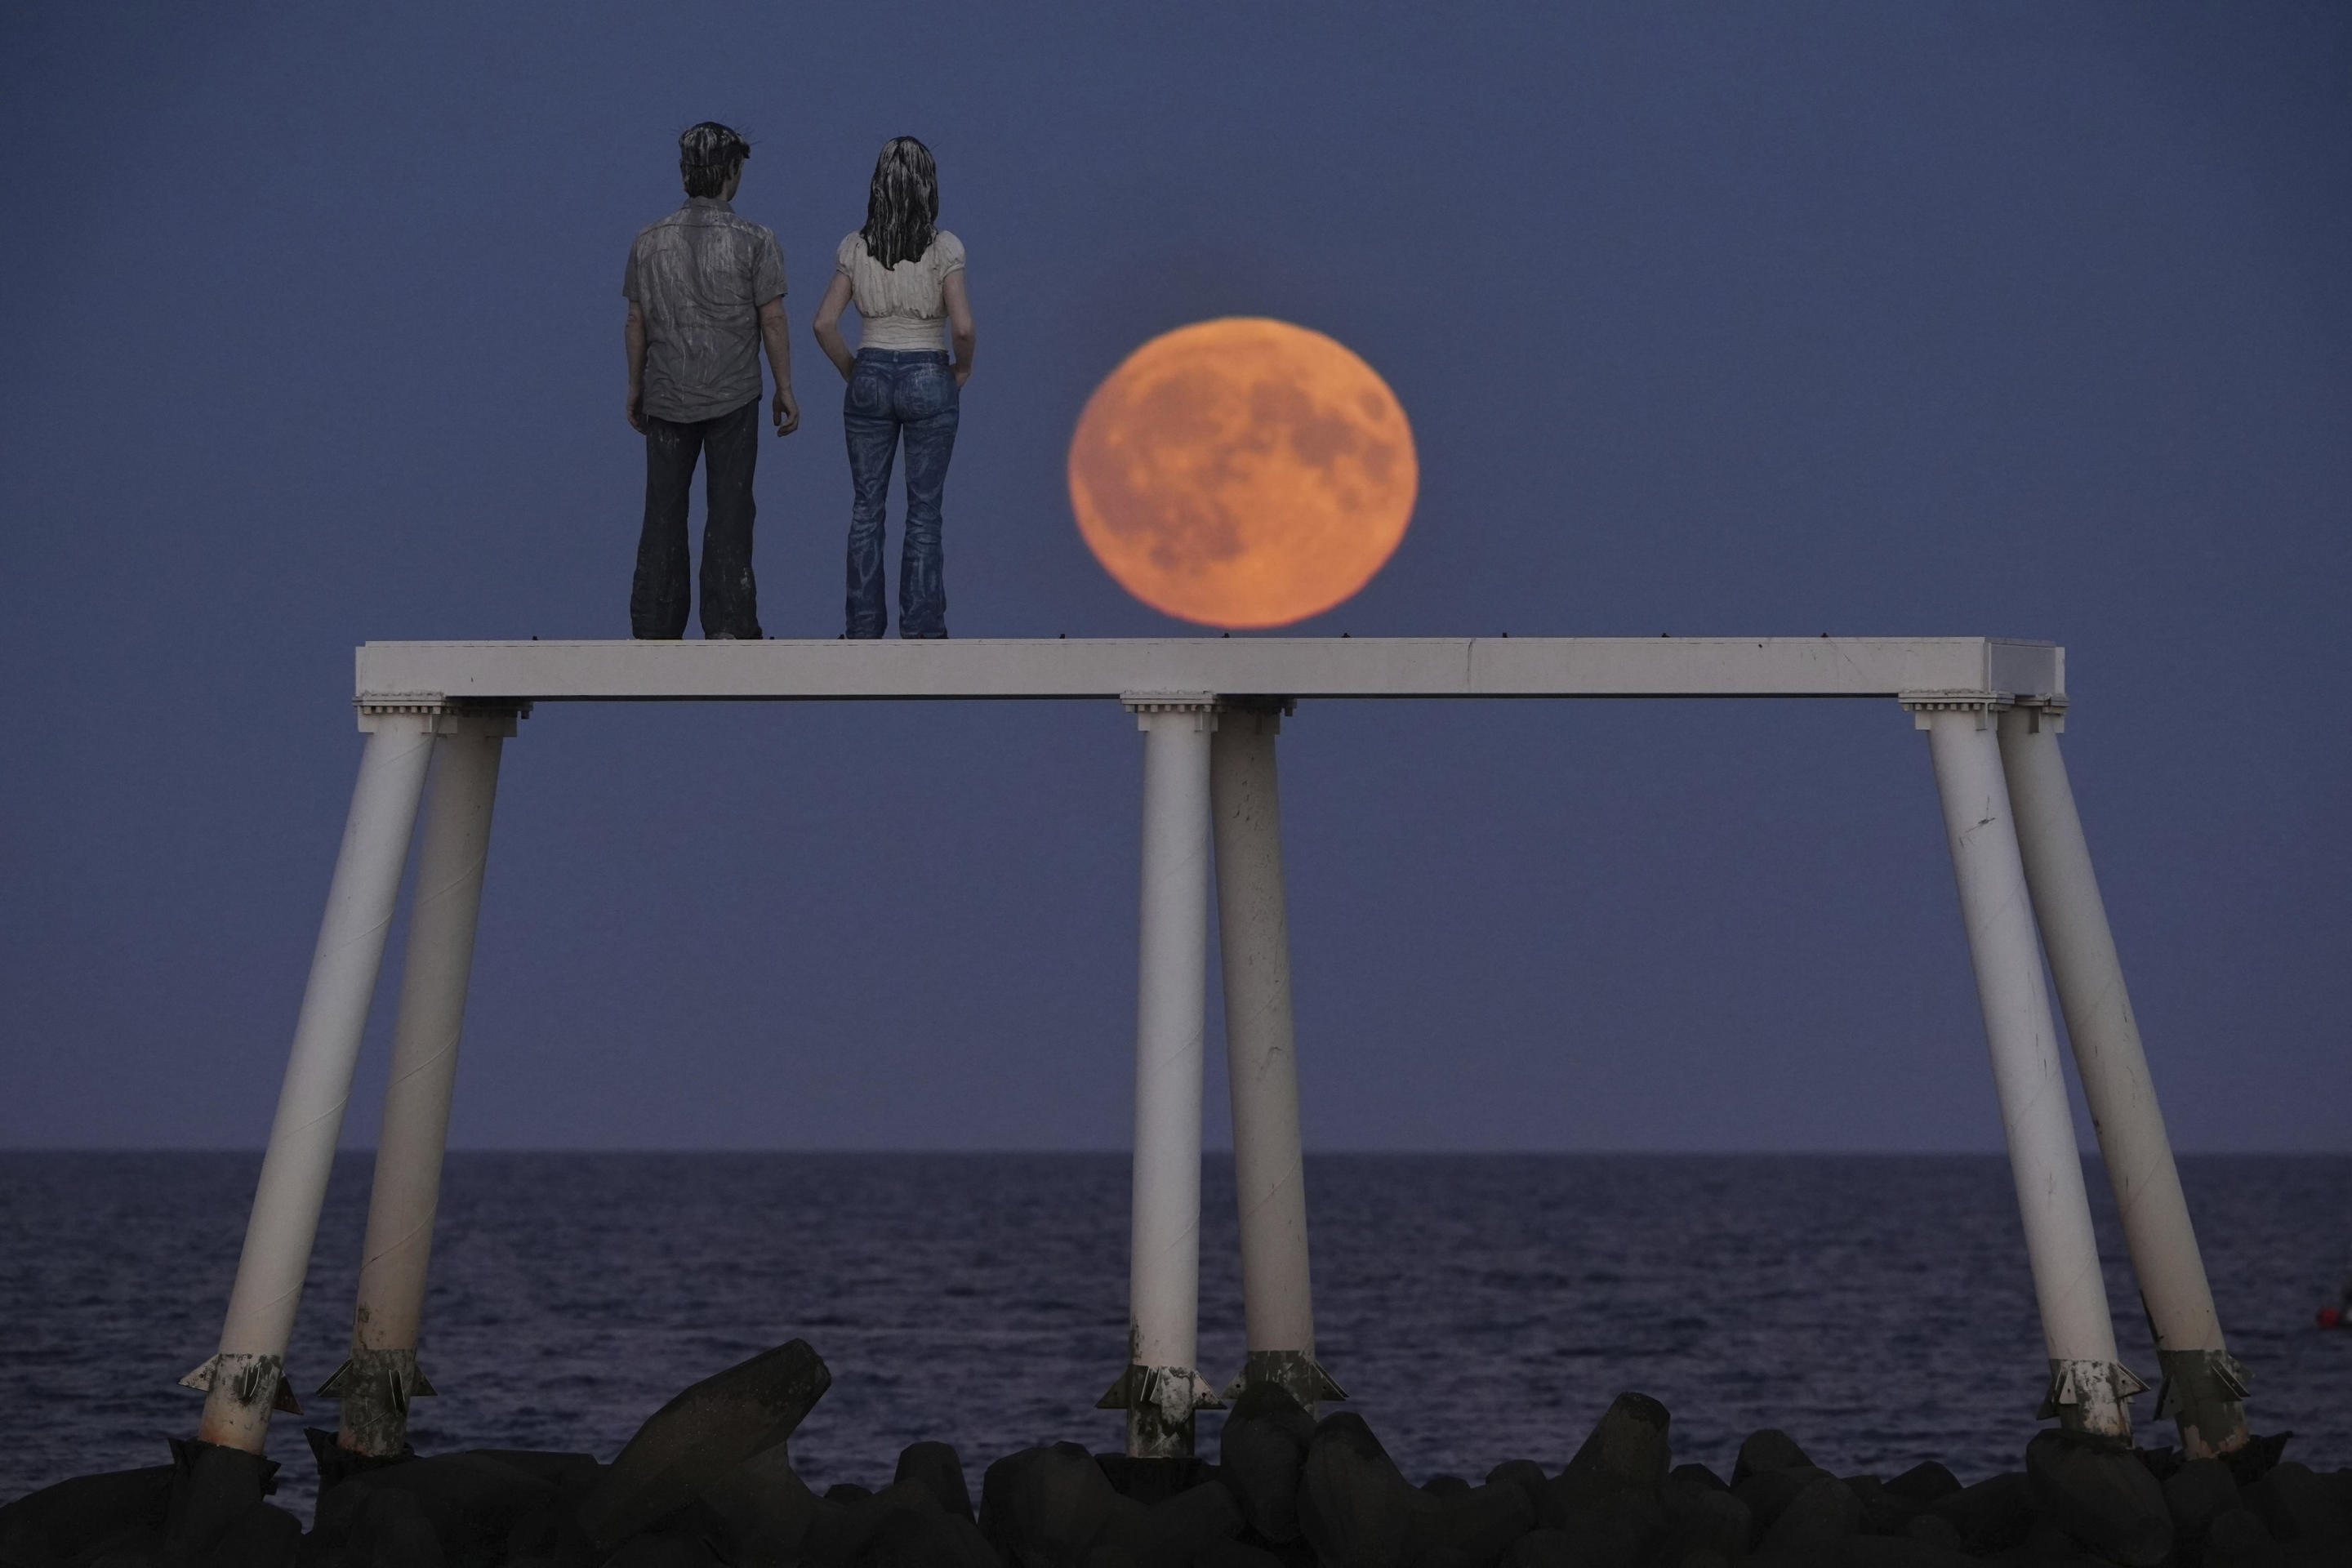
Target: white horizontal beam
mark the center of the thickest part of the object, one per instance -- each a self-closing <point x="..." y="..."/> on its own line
<point x="1274" y="667"/>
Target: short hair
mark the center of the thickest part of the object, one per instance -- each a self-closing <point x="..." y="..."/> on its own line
<point x="902" y="205"/>
<point x="708" y="156"/>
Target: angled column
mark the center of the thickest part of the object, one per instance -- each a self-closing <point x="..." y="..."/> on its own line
<point x="380" y="1376"/>
<point x="245" y="1381"/>
<point x="1253" y="924"/>
<point x="2204" y="1388"/>
<point x="2089" y="1388"/>
<point x="1161" y="1387"/>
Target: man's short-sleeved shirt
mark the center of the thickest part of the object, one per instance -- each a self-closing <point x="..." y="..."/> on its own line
<point x="699" y="279"/>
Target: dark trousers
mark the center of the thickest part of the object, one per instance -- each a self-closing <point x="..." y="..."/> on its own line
<point x="729" y="448"/>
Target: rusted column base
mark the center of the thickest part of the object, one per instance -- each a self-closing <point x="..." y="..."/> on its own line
<point x="1295" y="1373"/>
<point x="2205" y="1393"/>
<point x="375" y="1386"/>
<point x="240" y="1389"/>
<point x="2091" y="1396"/>
<point x="1159" y="1402"/>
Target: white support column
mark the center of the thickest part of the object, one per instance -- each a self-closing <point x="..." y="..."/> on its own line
<point x="2204" y="1386"/>
<point x="245" y="1381"/>
<point x="1161" y="1388"/>
<point x="377" y="1382"/>
<point x="1261" y="1054"/>
<point x="2089" y="1388"/>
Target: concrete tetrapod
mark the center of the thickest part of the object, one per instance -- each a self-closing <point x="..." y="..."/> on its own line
<point x="702" y="1434"/>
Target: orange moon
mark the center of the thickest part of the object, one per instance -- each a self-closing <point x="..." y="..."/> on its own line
<point x="1243" y="472"/>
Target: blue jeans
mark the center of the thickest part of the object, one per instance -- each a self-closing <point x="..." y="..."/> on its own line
<point x="894" y="392"/>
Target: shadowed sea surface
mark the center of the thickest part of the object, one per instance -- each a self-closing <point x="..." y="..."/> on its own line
<point x="1477" y="1307"/>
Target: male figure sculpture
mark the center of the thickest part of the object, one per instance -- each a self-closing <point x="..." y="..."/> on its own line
<point x="705" y="292"/>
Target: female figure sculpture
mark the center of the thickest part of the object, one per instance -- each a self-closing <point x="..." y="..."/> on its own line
<point x="905" y="276"/>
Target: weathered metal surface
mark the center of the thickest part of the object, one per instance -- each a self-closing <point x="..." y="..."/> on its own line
<point x="2204" y="1392"/>
<point x="375" y="1386"/>
<point x="240" y="1389"/>
<point x="1159" y="1402"/>
<point x="2090" y="1397"/>
<point x="389" y="672"/>
<point x="1296" y="1372"/>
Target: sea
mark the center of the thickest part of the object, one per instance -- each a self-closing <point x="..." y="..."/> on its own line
<point x="1476" y="1308"/>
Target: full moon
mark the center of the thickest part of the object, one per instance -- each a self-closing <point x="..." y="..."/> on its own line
<point x="1243" y="472"/>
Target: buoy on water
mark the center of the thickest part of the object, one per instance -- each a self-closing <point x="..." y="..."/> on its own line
<point x="2331" y="1317"/>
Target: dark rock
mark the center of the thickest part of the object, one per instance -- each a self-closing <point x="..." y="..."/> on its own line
<point x="1924" y="1483"/>
<point x="1934" y="1529"/>
<point x="1124" y="1540"/>
<point x="2162" y="1463"/>
<point x="2196" y="1493"/>
<point x="923" y="1538"/>
<point x="700" y="1436"/>
<point x="1627" y="1450"/>
<point x="2299" y="1506"/>
<point x="847" y="1493"/>
<point x="1480" y="1522"/>
<point x="765" y="1510"/>
<point x="1185" y="1525"/>
<point x="660" y="1549"/>
<point x="571" y="1475"/>
<point x="937" y="1468"/>
<point x="78" y="1518"/>
<point x="213" y="1487"/>
<point x="1768" y="1493"/>
<point x="1817" y="1519"/>
<point x="472" y="1503"/>
<point x="1542" y="1548"/>
<point x="1354" y="1506"/>
<point x="2253" y="1461"/>
<point x="1443" y="1487"/>
<point x="837" y="1532"/>
<point x="1261" y="1454"/>
<point x="1901" y="1551"/>
<point x="1524" y="1474"/>
<point x="2237" y="1539"/>
<point x="1884" y="1513"/>
<point x="1701" y="1519"/>
<point x="1770" y="1450"/>
<point x="2098" y="1492"/>
<point x="1608" y="1497"/>
<point x="388" y="1529"/>
<point x="1236" y="1555"/>
<point x="548" y="1533"/>
<point x="1041" y="1507"/>
<point x="1695" y="1477"/>
<point x="263" y="1537"/>
<point x="1151" y="1482"/>
<point x="1991" y="1516"/>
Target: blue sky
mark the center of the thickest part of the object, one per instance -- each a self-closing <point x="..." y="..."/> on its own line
<point x="1987" y="319"/>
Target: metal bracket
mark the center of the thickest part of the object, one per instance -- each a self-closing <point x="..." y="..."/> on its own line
<point x="2078" y="1385"/>
<point x="375" y="1386"/>
<point x="2194" y="1379"/>
<point x="444" y="715"/>
<point x="1983" y="704"/>
<point x="252" y="1377"/>
<point x="2042" y="713"/>
<point x="1296" y="1372"/>
<point x="1204" y="706"/>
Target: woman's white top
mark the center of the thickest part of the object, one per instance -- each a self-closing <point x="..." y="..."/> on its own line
<point x="903" y="307"/>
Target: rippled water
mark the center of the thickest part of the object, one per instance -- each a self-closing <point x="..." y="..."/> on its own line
<point x="1476" y="1308"/>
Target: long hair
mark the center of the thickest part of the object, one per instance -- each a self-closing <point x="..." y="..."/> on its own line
<point x="902" y="206"/>
<point x="707" y="155"/>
